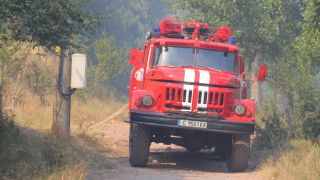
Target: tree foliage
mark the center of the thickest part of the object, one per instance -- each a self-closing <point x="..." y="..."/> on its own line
<point x="111" y="62"/>
<point x="46" y="23"/>
<point x="257" y="25"/>
<point x="312" y="15"/>
<point x="270" y="131"/>
<point x="129" y="21"/>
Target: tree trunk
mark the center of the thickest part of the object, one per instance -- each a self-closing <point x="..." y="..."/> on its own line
<point x="282" y="103"/>
<point x="286" y="110"/>
<point x="61" y="121"/>
<point x="1" y="83"/>
<point x="1" y="100"/>
<point x="255" y="87"/>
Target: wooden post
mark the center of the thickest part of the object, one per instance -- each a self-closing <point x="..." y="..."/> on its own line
<point x="1" y="112"/>
<point x="61" y="122"/>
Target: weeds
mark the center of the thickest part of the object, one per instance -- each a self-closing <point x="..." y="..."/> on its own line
<point x="298" y="159"/>
<point x="28" y="152"/>
<point x="30" y="155"/>
<point x="277" y="155"/>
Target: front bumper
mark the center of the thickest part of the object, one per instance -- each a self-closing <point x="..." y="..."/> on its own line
<point x="213" y="125"/>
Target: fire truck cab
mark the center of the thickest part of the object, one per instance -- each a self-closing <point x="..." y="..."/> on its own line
<point x="188" y="88"/>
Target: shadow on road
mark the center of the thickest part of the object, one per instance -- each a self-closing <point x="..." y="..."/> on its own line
<point x="181" y="159"/>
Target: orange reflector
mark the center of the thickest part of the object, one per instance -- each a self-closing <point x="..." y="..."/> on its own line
<point x="248" y="113"/>
<point x="138" y="102"/>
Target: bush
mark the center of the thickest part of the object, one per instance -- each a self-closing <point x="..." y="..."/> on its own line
<point x="311" y="125"/>
<point x="8" y="132"/>
<point x="269" y="130"/>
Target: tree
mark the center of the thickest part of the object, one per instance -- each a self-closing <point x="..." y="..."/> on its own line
<point x="307" y="96"/>
<point x="111" y="62"/>
<point x="47" y="23"/>
<point x="312" y="15"/>
<point x="6" y="52"/>
<point x="129" y="20"/>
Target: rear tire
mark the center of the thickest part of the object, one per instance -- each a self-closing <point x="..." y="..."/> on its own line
<point x="139" y="144"/>
<point x="238" y="153"/>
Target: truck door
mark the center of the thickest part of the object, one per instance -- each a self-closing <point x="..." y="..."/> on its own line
<point x="147" y="61"/>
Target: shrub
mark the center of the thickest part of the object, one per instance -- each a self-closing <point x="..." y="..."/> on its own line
<point x="269" y="130"/>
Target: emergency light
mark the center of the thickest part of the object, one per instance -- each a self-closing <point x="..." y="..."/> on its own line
<point x="156" y="30"/>
<point x="231" y="40"/>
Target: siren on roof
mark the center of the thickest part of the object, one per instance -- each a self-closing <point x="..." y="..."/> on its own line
<point x="171" y="27"/>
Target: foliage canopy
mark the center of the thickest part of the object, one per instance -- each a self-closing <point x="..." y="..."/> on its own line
<point x="47" y="23"/>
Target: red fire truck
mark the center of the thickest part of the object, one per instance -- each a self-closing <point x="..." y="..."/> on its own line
<point x="188" y="88"/>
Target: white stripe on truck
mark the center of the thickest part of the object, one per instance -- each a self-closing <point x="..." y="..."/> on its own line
<point x="204" y="79"/>
<point x="189" y="76"/>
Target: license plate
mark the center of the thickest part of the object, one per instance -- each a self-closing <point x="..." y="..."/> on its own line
<point x="188" y="123"/>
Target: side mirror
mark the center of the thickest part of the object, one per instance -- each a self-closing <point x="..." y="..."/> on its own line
<point x="242" y="67"/>
<point x="134" y="57"/>
<point x="262" y="73"/>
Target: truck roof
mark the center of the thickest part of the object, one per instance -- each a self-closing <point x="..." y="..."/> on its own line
<point x="192" y="34"/>
<point x="164" y="41"/>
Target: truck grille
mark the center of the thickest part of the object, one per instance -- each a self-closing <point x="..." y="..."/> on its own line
<point x="174" y="94"/>
<point x="206" y="100"/>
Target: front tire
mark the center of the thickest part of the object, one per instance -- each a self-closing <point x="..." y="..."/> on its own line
<point x="139" y="144"/>
<point x="238" y="153"/>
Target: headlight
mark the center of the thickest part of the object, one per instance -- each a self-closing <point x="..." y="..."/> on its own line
<point x="239" y="109"/>
<point x="147" y="100"/>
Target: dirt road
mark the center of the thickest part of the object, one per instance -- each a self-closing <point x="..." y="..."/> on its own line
<point x="165" y="162"/>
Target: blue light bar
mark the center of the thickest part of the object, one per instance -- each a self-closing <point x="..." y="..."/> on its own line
<point x="156" y="30"/>
<point x="231" y="40"/>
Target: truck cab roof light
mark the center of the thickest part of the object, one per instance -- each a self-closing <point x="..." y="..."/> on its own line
<point x="231" y="40"/>
<point x="156" y="30"/>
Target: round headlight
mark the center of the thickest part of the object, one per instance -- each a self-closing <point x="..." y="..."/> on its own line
<point x="239" y="109"/>
<point x="147" y="100"/>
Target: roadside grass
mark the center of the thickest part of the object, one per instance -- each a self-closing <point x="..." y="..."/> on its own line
<point x="295" y="159"/>
<point x="276" y="155"/>
<point x="26" y="149"/>
<point x="28" y="152"/>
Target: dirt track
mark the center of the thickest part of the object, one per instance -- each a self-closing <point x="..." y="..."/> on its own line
<point x="165" y="162"/>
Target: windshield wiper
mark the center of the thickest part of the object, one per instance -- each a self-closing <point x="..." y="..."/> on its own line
<point x="199" y="65"/>
<point x="178" y="66"/>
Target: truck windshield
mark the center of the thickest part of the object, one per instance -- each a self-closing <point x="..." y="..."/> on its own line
<point x="183" y="56"/>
